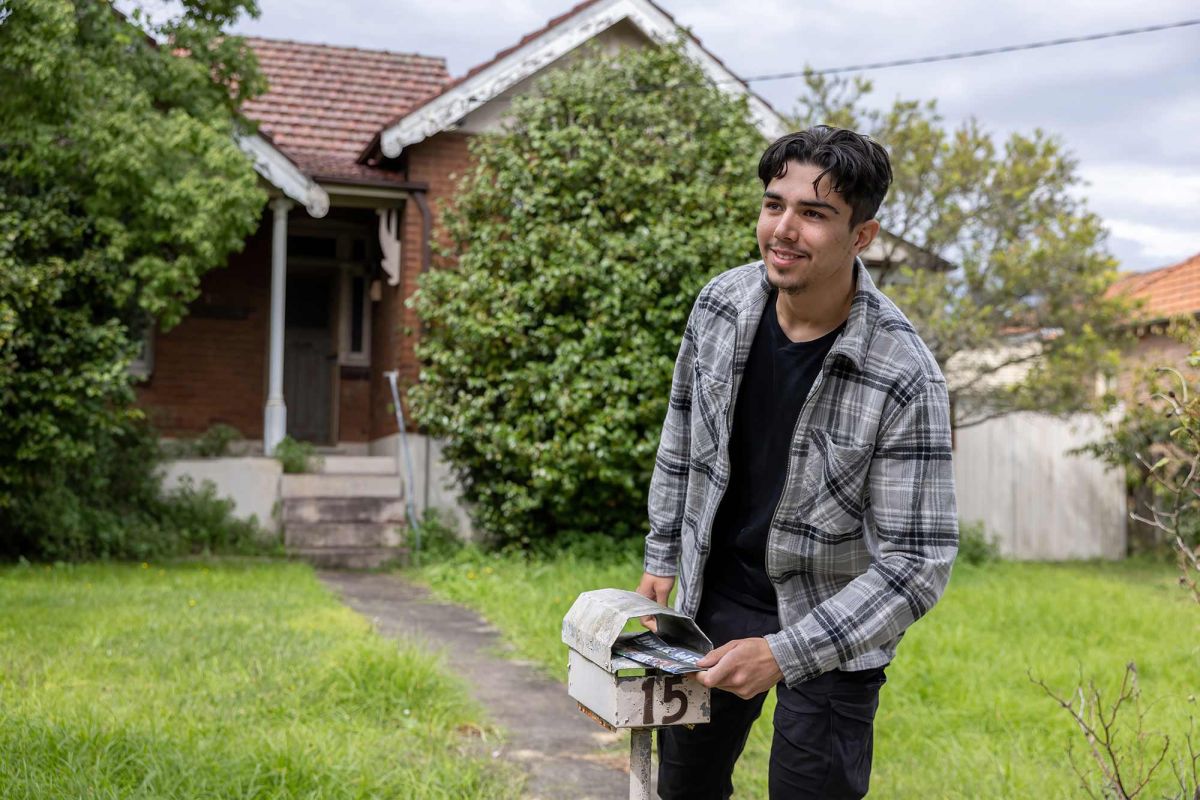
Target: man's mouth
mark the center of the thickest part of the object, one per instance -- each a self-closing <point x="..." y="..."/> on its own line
<point x="785" y="257"/>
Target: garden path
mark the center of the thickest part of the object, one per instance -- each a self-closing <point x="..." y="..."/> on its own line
<point x="564" y="754"/>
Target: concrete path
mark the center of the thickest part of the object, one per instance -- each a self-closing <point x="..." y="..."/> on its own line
<point x="563" y="753"/>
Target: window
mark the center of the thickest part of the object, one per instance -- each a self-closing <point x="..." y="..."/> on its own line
<point x="143" y="363"/>
<point x="355" y="337"/>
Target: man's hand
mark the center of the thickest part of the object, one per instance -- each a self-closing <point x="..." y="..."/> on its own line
<point x="746" y="667"/>
<point x="657" y="588"/>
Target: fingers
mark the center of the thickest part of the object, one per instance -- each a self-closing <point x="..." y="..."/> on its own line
<point x="713" y="656"/>
<point x="650" y="622"/>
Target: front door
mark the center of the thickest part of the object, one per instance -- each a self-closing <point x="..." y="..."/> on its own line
<point x="310" y="357"/>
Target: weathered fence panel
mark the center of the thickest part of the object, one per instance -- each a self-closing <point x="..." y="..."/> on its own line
<point x="1014" y="474"/>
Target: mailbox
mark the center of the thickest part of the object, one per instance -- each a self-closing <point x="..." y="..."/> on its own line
<point x="618" y="691"/>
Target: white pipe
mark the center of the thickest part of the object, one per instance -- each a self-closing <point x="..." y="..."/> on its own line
<point x="409" y="491"/>
<point x="275" y="414"/>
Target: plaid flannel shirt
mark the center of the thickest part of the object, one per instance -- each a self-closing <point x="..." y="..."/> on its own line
<point x="866" y="530"/>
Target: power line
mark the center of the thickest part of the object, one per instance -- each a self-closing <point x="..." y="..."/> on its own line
<point x="991" y="51"/>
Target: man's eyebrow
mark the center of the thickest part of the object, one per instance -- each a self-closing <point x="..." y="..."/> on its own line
<point x="806" y="203"/>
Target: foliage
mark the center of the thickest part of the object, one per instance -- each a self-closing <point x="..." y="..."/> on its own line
<point x="120" y="185"/>
<point x="975" y="546"/>
<point x="1157" y="443"/>
<point x="584" y="233"/>
<point x="117" y="509"/>
<point x="1007" y="282"/>
<point x="216" y="442"/>
<point x="224" y="679"/>
<point x="958" y="716"/>
<point x="439" y="538"/>
<point x="296" y="456"/>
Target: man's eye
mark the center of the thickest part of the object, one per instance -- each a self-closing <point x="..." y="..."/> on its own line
<point x="814" y="214"/>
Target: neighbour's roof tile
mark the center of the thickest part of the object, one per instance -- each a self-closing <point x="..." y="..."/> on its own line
<point x="325" y="103"/>
<point x="1165" y="292"/>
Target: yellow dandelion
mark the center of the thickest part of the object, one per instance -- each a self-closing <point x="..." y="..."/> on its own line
<point x="191" y="602"/>
<point x="145" y="565"/>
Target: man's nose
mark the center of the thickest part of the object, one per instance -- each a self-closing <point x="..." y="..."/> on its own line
<point x="785" y="229"/>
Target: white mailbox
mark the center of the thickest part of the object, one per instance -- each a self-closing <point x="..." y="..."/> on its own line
<point x="618" y="691"/>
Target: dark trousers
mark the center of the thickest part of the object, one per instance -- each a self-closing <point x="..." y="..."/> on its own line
<point x="823" y="734"/>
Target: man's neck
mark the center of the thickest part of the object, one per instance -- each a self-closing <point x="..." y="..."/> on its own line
<point x="811" y="314"/>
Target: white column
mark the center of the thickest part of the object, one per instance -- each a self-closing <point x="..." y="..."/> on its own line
<point x="275" y="414"/>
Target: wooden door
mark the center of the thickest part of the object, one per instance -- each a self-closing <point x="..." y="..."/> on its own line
<point x="310" y="357"/>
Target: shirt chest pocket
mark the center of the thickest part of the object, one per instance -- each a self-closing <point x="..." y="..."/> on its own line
<point x="834" y="487"/>
<point x="710" y="406"/>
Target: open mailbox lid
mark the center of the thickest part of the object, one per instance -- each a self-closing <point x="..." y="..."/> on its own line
<point x="597" y="618"/>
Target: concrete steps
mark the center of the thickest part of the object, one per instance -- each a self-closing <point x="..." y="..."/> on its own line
<point x="348" y="515"/>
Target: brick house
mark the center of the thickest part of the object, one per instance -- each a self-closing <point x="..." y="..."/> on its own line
<point x="1166" y="294"/>
<point x="358" y="150"/>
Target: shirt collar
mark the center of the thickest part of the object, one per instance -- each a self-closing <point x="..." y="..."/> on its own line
<point x="860" y="324"/>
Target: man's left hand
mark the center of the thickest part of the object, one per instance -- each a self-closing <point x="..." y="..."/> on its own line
<point x="746" y="667"/>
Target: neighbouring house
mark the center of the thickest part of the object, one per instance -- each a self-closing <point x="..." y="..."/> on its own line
<point x="1165" y="294"/>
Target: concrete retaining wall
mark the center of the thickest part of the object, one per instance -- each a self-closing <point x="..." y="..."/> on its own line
<point x="251" y="483"/>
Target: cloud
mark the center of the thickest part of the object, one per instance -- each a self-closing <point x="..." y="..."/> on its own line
<point x="1157" y="245"/>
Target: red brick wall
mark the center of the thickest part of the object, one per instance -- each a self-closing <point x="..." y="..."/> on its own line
<point x="211" y="368"/>
<point x="438" y="161"/>
<point x="354" y="405"/>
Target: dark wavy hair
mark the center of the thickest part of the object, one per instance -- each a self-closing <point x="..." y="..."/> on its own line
<point x="857" y="166"/>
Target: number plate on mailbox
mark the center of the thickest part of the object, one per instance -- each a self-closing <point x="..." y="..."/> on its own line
<point x="643" y="701"/>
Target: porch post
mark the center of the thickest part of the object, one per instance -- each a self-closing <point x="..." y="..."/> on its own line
<point x="275" y="414"/>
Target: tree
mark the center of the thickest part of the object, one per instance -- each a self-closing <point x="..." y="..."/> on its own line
<point x="120" y="185"/>
<point x="990" y="252"/>
<point x="584" y="233"/>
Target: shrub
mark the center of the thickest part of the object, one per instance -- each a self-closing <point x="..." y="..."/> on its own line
<point x="117" y="509"/>
<point x="584" y="233"/>
<point x="296" y="456"/>
<point x="213" y="443"/>
<point x="975" y="546"/>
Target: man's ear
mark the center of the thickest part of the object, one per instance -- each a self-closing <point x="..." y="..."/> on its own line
<point x="867" y="231"/>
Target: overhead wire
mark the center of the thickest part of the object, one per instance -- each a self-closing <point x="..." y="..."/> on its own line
<point x="904" y="62"/>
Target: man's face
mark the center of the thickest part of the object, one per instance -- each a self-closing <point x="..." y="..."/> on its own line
<point x="804" y="234"/>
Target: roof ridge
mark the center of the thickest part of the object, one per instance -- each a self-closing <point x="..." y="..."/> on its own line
<point x="346" y="48"/>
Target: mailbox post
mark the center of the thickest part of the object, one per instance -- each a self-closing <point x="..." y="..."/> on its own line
<point x="620" y="693"/>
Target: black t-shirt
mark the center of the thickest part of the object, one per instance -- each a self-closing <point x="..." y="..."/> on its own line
<point x="778" y="376"/>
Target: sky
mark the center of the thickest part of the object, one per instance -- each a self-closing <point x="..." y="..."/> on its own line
<point x="1128" y="109"/>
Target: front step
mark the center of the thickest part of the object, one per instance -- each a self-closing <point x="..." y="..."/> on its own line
<point x="357" y="465"/>
<point x="329" y="485"/>
<point x="342" y="509"/>
<point x="304" y="535"/>
<point x="350" y="557"/>
<point x="349" y="515"/>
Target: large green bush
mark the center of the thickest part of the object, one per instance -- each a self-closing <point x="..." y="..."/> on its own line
<point x="120" y="185"/>
<point x="583" y="234"/>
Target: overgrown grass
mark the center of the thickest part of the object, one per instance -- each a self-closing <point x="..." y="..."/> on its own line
<point x="220" y="680"/>
<point x="959" y="716"/>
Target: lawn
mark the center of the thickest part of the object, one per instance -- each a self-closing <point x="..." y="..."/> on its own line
<point x="221" y="680"/>
<point x="959" y="716"/>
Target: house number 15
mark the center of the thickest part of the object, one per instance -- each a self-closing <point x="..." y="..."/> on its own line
<point x="671" y="692"/>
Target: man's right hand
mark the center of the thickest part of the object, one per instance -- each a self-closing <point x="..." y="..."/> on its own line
<point x="656" y="588"/>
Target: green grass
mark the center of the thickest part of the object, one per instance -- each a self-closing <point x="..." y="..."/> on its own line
<point x="220" y="680"/>
<point x="959" y="716"/>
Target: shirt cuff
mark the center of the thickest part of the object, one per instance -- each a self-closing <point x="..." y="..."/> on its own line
<point x="662" y="558"/>
<point x="797" y="661"/>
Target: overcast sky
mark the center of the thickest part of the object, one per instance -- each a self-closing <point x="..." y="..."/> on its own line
<point x="1128" y="108"/>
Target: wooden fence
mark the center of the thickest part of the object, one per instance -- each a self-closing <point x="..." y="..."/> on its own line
<point x="1014" y="474"/>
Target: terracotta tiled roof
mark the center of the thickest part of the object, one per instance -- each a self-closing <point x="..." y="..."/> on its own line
<point x="325" y="103"/>
<point x="1166" y="292"/>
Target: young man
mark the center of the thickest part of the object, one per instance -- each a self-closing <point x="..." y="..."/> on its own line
<point x="803" y="493"/>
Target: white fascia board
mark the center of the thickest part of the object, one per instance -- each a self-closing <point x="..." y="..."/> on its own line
<point x="445" y="111"/>
<point x="279" y="171"/>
